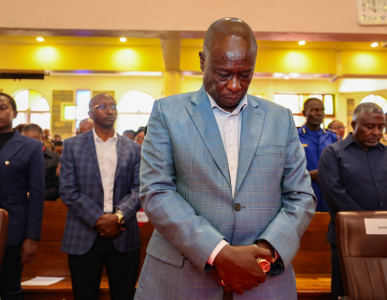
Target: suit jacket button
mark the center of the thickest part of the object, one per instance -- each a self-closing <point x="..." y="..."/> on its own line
<point x="237" y="206"/>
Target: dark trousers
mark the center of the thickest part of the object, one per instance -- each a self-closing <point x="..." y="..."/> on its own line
<point x="337" y="281"/>
<point x="10" y="274"/>
<point x="86" y="271"/>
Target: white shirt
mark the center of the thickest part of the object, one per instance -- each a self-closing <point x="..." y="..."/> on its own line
<point x="107" y="161"/>
<point x="230" y="125"/>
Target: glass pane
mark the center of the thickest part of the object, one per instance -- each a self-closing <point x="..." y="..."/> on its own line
<point x="81" y="112"/>
<point x="83" y="97"/>
<point x="22" y="100"/>
<point x="43" y="120"/>
<point x="69" y="112"/>
<point x="316" y="96"/>
<point x="288" y="101"/>
<point x="328" y="104"/>
<point x="34" y="98"/>
<point x="299" y="120"/>
<point x="20" y="119"/>
<point x="326" y="122"/>
<point x="41" y="105"/>
<point x="131" y="121"/>
<point x="380" y="101"/>
<point x="135" y="101"/>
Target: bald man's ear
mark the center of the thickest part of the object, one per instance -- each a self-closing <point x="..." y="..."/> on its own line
<point x="353" y="125"/>
<point x="202" y="60"/>
<point x="303" y="113"/>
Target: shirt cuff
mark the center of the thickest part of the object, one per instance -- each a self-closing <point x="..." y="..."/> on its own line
<point x="216" y="251"/>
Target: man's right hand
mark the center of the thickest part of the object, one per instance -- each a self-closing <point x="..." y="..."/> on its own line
<point x="238" y="268"/>
<point x="314" y="175"/>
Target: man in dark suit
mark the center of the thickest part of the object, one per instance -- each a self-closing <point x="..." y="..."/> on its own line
<point x="352" y="174"/>
<point x="51" y="162"/>
<point x="99" y="182"/>
<point x="21" y="173"/>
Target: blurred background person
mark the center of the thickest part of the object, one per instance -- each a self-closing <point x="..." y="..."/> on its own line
<point x="85" y="125"/>
<point x="21" y="172"/>
<point x="338" y="127"/>
<point x="130" y="134"/>
<point x="383" y="140"/>
<point x="352" y="174"/>
<point x="314" y="139"/>
<point x="139" y="137"/>
<point x="50" y="145"/>
<point x="20" y="127"/>
<point x="46" y="135"/>
<point x="57" y="138"/>
<point x="58" y="147"/>
<point x="51" y="161"/>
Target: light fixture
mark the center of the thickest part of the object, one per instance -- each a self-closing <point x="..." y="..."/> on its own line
<point x="123" y="40"/>
<point x="301" y="43"/>
<point x="373" y="45"/>
<point x="40" y="39"/>
<point x="286" y="77"/>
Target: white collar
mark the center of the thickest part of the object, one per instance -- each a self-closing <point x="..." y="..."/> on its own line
<point x="241" y="106"/>
<point x="97" y="138"/>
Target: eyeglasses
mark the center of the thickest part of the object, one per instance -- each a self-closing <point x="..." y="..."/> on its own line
<point x="104" y="107"/>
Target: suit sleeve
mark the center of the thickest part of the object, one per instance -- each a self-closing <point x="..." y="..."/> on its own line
<point x="36" y="190"/>
<point x="334" y="193"/>
<point x="193" y="236"/>
<point x="298" y="203"/>
<point x="130" y="204"/>
<point x="78" y="203"/>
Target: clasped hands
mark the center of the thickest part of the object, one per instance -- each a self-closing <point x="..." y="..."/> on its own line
<point x="237" y="268"/>
<point x="108" y="227"/>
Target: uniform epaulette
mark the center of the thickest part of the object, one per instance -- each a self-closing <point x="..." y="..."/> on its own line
<point x="337" y="135"/>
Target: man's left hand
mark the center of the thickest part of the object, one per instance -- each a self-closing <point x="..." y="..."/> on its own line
<point x="28" y="251"/>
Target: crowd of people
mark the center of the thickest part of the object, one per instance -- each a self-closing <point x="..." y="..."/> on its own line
<point x="225" y="178"/>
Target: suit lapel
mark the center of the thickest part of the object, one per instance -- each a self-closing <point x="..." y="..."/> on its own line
<point x="11" y="148"/>
<point x="120" y="154"/>
<point x="92" y="154"/>
<point x="204" y="120"/>
<point x="252" y="124"/>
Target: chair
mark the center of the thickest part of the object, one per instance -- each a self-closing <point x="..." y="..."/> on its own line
<point x="3" y="232"/>
<point x="363" y="257"/>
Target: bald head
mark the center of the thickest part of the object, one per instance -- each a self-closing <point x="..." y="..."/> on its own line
<point x="228" y="61"/>
<point x="85" y="125"/>
<point x="231" y="31"/>
<point x="96" y="99"/>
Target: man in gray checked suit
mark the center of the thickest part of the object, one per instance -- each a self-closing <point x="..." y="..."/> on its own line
<point x="223" y="179"/>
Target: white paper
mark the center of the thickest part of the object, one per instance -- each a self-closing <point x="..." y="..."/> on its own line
<point x="141" y="217"/>
<point x="42" y="281"/>
<point x="376" y="226"/>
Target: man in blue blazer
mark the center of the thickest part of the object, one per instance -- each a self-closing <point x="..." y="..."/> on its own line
<point x="224" y="181"/>
<point x="22" y="195"/>
<point x="99" y="184"/>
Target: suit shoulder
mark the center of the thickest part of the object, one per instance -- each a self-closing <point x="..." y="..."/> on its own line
<point x="177" y="100"/>
<point x="128" y="142"/>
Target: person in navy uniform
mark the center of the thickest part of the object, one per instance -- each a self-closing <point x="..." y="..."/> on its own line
<point x="314" y="139"/>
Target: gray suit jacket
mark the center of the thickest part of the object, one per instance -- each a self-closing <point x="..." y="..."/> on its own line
<point x="186" y="192"/>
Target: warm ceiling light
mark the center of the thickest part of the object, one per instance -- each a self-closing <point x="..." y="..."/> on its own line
<point x="301" y="43"/>
<point x="123" y="40"/>
<point x="40" y="39"/>
<point x="286" y="77"/>
<point x="373" y="45"/>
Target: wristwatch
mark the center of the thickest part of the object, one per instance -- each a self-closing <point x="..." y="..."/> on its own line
<point x="120" y="216"/>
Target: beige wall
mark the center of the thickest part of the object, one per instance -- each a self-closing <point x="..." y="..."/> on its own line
<point x="318" y="16"/>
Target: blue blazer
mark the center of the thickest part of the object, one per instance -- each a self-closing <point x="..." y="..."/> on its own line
<point x="80" y="188"/>
<point x="24" y="173"/>
<point x="186" y="193"/>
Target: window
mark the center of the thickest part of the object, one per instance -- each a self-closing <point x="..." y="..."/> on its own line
<point x="32" y="108"/>
<point x="295" y="103"/>
<point x="134" y="110"/>
<point x="80" y="110"/>
<point x="379" y="100"/>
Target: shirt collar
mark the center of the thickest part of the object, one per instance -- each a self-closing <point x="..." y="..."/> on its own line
<point x="349" y="140"/>
<point x="241" y="106"/>
<point x="97" y="138"/>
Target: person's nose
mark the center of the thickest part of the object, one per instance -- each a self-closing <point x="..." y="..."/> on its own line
<point x="234" y="84"/>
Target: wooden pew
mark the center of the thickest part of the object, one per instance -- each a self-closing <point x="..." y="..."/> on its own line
<point x="311" y="265"/>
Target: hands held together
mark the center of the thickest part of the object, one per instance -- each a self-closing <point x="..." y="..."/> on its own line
<point x="236" y="267"/>
<point x="108" y="227"/>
